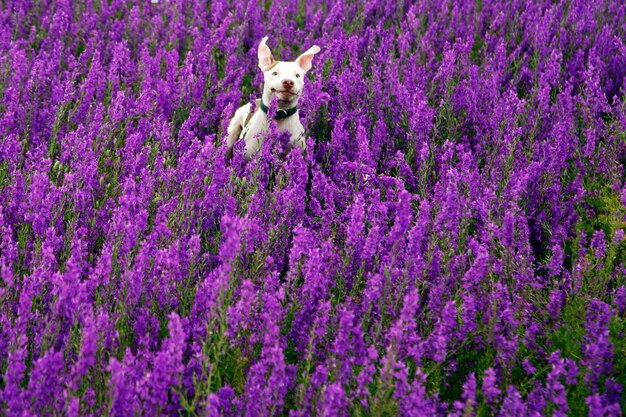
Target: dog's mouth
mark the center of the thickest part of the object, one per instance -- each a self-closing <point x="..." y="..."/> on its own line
<point x="291" y="93"/>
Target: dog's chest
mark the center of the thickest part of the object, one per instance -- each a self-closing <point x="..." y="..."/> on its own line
<point x="256" y="122"/>
<point x="257" y="125"/>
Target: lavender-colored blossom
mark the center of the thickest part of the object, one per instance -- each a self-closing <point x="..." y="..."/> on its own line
<point x="597" y="349"/>
<point x="490" y="387"/>
<point x="556" y="261"/>
<point x="620" y="299"/>
<point x="598" y="244"/>
<point x="159" y="385"/>
<point x="335" y="402"/>
<point x="512" y="405"/>
<point x="555" y="389"/>
<point x="468" y="404"/>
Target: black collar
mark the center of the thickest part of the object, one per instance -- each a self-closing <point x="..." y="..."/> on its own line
<point x="280" y="113"/>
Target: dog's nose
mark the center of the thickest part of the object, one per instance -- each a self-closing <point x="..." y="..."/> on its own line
<point x="287" y="84"/>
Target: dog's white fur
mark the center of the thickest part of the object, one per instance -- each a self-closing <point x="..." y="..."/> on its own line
<point x="285" y="80"/>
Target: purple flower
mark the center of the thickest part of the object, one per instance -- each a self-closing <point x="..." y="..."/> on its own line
<point x="620" y="299"/>
<point x="124" y="399"/>
<point x="598" y="244"/>
<point x="554" y="387"/>
<point x="555" y="304"/>
<point x="469" y="391"/>
<point x="158" y="385"/>
<point x="556" y="261"/>
<point x="512" y="405"/>
<point x="490" y="386"/>
<point x="596" y="348"/>
<point x="529" y="368"/>
<point x="335" y="402"/>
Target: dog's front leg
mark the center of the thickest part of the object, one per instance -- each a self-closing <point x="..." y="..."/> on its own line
<point x="297" y="138"/>
<point x="255" y="132"/>
<point x="235" y="127"/>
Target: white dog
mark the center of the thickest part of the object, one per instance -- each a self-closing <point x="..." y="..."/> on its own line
<point x="284" y="80"/>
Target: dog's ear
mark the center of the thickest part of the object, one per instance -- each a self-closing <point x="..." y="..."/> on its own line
<point x="265" y="55"/>
<point x="304" y="60"/>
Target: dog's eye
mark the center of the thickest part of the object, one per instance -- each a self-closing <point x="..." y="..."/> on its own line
<point x="274" y="73"/>
<point x="297" y="75"/>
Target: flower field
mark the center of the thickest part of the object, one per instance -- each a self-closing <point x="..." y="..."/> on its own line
<point x="451" y="242"/>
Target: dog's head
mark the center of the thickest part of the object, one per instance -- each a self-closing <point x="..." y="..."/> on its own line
<point x="284" y="79"/>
